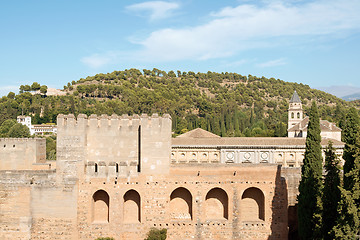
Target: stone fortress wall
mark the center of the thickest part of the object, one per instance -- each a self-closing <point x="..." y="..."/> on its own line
<point x="114" y="177"/>
<point x="119" y="176"/>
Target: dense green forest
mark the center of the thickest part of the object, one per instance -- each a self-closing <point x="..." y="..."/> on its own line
<point x="227" y="104"/>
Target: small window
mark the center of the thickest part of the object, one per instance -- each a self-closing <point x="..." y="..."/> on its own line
<point x="204" y="155"/>
<point x="117" y="167"/>
<point x="298" y="115"/>
<point x="96" y="167"/>
<point x="291" y="165"/>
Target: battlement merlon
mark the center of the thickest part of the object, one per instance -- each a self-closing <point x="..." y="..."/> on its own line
<point x="114" y="121"/>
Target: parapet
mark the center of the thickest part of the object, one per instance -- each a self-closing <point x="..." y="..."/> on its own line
<point x="21" y="153"/>
<point x="113" y="121"/>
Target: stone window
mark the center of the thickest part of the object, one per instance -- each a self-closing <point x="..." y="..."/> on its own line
<point x="253" y="205"/>
<point x="117" y="167"/>
<point x="217" y="204"/>
<point x="132" y="212"/>
<point x="181" y="204"/>
<point x="298" y="115"/>
<point x="292" y="115"/>
<point x="96" y="167"/>
<point x="100" y="208"/>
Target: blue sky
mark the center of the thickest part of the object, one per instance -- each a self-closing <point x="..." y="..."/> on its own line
<point x="54" y="42"/>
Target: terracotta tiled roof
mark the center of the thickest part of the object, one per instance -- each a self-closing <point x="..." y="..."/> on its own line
<point x="198" y="133"/>
<point x="324" y="126"/>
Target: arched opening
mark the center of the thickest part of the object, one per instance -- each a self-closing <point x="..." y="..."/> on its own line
<point x="181" y="204"/>
<point x="253" y="205"/>
<point x="96" y="167"/>
<point x="100" y="210"/>
<point x="132" y="212"/>
<point x="292" y="115"/>
<point x="298" y="115"/>
<point x="217" y="204"/>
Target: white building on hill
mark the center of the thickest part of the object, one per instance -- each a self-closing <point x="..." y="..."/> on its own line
<point x="39" y="129"/>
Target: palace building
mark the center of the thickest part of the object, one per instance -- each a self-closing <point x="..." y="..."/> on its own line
<point x="119" y="176"/>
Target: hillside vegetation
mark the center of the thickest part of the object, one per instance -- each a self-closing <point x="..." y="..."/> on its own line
<point x="227" y="104"/>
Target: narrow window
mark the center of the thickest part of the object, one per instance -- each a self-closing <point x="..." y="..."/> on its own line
<point x="96" y="167"/>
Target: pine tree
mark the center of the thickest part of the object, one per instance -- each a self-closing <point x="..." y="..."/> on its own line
<point x="310" y="188"/>
<point x="331" y="192"/>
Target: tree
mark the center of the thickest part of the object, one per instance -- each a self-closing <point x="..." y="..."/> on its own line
<point x="156" y="234"/>
<point x="310" y="188"/>
<point x="348" y="223"/>
<point x="349" y="126"/>
<point x="11" y="95"/>
<point x="19" y="131"/>
<point x="43" y="89"/>
<point x="5" y="127"/>
<point x="35" y="86"/>
<point x="331" y="193"/>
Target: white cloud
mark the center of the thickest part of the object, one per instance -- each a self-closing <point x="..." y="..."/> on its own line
<point x="157" y="9"/>
<point x="272" y="63"/>
<point x="4" y="90"/>
<point x="99" y="60"/>
<point x="233" y="29"/>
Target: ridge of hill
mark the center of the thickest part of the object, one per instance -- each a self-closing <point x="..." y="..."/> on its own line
<point x="227" y="104"/>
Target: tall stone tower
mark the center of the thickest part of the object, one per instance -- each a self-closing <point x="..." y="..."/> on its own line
<point x="295" y="110"/>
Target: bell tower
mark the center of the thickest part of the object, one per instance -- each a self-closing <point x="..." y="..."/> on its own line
<point x="295" y="114"/>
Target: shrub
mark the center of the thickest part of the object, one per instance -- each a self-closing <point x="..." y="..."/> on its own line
<point x="156" y="234"/>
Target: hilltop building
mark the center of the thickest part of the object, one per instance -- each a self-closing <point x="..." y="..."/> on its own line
<point x="297" y="123"/>
<point x="119" y="176"/>
<point x="37" y="129"/>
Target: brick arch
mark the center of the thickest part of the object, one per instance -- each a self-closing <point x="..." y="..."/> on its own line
<point x="181" y="204"/>
<point x="132" y="209"/>
<point x="253" y="204"/>
<point x="217" y="204"/>
<point x="100" y="206"/>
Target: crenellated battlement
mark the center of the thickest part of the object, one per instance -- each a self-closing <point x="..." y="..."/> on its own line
<point x="114" y="121"/>
<point x="142" y="142"/>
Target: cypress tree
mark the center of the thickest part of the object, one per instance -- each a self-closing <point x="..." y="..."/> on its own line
<point x="349" y="126"/>
<point x="331" y="192"/>
<point x="310" y="188"/>
<point x="348" y="223"/>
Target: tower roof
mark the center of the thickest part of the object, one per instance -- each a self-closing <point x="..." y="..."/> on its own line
<point x="295" y="98"/>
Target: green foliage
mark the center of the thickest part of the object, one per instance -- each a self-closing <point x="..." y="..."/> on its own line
<point x="331" y="192"/>
<point x="105" y="238"/>
<point x="11" y="129"/>
<point x="349" y="134"/>
<point x="348" y="222"/>
<point x="5" y="127"/>
<point x="51" y="148"/>
<point x="347" y="225"/>
<point x="35" y="86"/>
<point x="310" y="188"/>
<point x="19" y="131"/>
<point x="227" y="104"/>
<point x="156" y="234"/>
<point x="43" y="89"/>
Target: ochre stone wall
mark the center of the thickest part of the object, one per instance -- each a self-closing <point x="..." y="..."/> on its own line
<point x="192" y="202"/>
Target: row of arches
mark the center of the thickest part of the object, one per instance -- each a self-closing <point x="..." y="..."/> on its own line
<point x="181" y="205"/>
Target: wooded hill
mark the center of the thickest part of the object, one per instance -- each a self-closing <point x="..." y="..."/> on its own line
<point x="227" y="104"/>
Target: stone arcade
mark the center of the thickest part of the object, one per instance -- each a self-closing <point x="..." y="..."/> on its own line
<point x="119" y="176"/>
